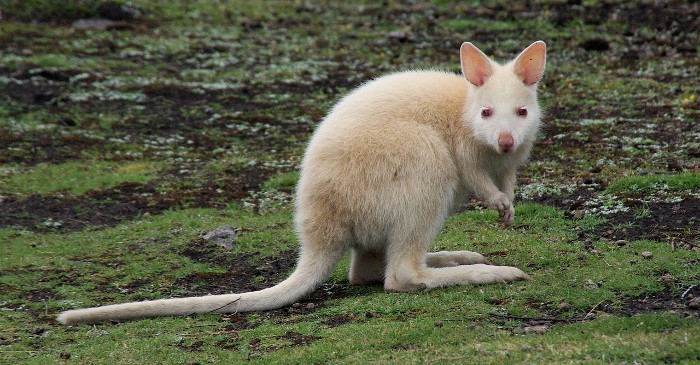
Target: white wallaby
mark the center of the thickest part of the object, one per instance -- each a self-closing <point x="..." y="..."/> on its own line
<point x="382" y="173"/>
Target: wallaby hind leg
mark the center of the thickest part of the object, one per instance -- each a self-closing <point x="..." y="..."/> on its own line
<point x="407" y="269"/>
<point x="367" y="267"/>
<point x="454" y="258"/>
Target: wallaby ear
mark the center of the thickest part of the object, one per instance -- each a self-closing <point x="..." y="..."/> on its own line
<point x="529" y="65"/>
<point x="476" y="67"/>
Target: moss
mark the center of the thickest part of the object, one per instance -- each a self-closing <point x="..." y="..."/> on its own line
<point x="49" y="11"/>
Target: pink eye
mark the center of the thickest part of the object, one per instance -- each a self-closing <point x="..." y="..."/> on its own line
<point x="522" y="112"/>
<point x="486" y="112"/>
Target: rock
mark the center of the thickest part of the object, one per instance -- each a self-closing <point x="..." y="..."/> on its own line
<point x="564" y="306"/>
<point x="223" y="236"/>
<point x="694" y="303"/>
<point x="99" y="24"/>
<point x="439" y="324"/>
<point x="114" y="10"/>
<point x="400" y="36"/>
<point x="531" y="329"/>
<point x="310" y="306"/>
<point x="621" y="243"/>
<point x="647" y="254"/>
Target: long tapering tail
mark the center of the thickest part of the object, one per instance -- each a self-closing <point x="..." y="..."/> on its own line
<point x="308" y="276"/>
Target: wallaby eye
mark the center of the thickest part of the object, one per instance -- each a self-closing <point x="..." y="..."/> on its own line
<point x="486" y="112"/>
<point x="522" y="112"/>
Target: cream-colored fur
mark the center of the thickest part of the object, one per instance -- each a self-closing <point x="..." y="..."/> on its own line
<point x="380" y="176"/>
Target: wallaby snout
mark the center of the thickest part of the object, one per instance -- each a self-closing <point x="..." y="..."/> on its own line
<point x="505" y="142"/>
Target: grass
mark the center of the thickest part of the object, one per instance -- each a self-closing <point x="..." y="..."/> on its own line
<point x="201" y="111"/>
<point x="78" y="177"/>
<point x="453" y="324"/>
<point x="656" y="183"/>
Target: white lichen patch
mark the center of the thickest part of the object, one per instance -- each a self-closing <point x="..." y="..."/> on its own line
<point x="605" y="204"/>
<point x="538" y="190"/>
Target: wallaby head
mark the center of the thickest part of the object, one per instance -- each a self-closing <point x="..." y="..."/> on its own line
<point x="502" y="105"/>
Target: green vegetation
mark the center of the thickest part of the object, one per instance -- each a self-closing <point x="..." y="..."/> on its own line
<point x="46" y="10"/>
<point x="656" y="183"/>
<point x="78" y="177"/>
<point x="122" y="146"/>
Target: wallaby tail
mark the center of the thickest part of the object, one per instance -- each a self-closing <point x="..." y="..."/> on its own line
<point x="306" y="278"/>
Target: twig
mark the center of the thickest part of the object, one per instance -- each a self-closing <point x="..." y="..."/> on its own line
<point x="687" y="291"/>
<point x="592" y="309"/>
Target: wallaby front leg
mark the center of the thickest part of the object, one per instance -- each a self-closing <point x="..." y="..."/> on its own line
<point x="483" y="185"/>
<point x="506" y="184"/>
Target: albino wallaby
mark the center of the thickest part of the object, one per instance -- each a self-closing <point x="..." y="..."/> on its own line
<point x="380" y="176"/>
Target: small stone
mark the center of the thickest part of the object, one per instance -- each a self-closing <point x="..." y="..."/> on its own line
<point x="495" y="301"/>
<point x="590" y="282"/>
<point x="621" y="243"/>
<point x="99" y="24"/>
<point x="146" y="215"/>
<point x="399" y="35"/>
<point x="647" y="254"/>
<point x="116" y="10"/>
<point x="564" y="306"/>
<point x="223" y="236"/>
<point x="310" y="306"/>
<point x="439" y="324"/>
<point x="531" y="329"/>
<point x="694" y="303"/>
<point x="296" y="305"/>
<point x="578" y="215"/>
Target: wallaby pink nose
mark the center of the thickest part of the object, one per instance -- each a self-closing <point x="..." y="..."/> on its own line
<point x="505" y="142"/>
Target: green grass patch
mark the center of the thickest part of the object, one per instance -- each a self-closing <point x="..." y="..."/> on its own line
<point x="47" y="10"/>
<point x="45" y="273"/>
<point x="655" y="183"/>
<point x="78" y="177"/>
<point x="286" y="180"/>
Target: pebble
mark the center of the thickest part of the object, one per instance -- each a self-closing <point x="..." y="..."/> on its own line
<point x="621" y="243"/>
<point x="531" y="329"/>
<point x="647" y="254"/>
<point x="223" y="236"/>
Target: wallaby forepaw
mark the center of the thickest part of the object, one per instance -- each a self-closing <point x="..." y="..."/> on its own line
<point x="505" y="209"/>
<point x="507" y="217"/>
